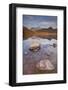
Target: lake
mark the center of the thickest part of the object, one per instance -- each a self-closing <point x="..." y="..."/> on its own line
<point x="48" y="50"/>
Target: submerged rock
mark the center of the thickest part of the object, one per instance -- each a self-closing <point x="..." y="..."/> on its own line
<point x="54" y="45"/>
<point x="45" y="65"/>
<point x="25" y="53"/>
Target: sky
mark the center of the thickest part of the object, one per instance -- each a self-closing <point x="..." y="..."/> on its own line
<point x="37" y="21"/>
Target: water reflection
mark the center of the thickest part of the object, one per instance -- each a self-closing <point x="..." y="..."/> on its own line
<point x="47" y="50"/>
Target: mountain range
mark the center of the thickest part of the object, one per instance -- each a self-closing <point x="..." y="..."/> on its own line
<point x="41" y="32"/>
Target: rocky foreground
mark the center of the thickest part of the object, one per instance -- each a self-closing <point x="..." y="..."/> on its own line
<point x="40" y="58"/>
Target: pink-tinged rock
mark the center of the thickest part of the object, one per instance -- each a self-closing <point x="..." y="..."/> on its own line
<point x="45" y="65"/>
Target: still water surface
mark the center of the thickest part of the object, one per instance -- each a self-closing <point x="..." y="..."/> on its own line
<point x="46" y="51"/>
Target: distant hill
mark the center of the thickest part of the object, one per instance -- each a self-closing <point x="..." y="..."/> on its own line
<point x="42" y="32"/>
<point x="50" y="30"/>
<point x="27" y="32"/>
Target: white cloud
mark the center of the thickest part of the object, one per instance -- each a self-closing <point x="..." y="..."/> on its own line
<point x="47" y="24"/>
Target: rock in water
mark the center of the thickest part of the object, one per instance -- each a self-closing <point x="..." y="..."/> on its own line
<point x="26" y="53"/>
<point x="34" y="46"/>
<point x="45" y="65"/>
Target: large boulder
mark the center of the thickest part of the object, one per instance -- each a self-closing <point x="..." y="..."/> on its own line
<point x="34" y="46"/>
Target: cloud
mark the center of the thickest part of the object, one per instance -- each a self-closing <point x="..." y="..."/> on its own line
<point x="28" y="16"/>
<point x="48" y="24"/>
<point x="40" y="21"/>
